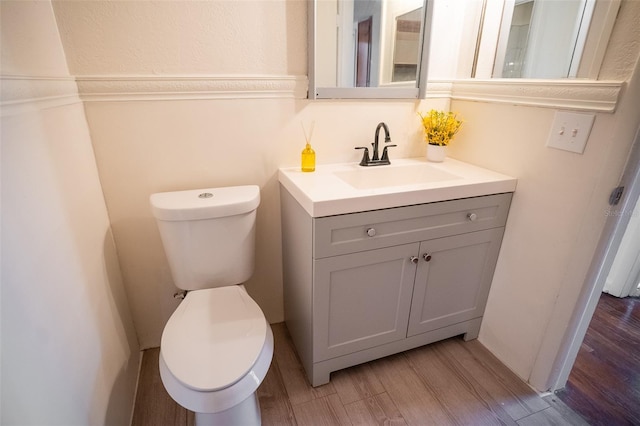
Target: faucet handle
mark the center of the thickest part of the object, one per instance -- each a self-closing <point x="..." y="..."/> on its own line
<point x="385" y="154"/>
<point x="365" y="156"/>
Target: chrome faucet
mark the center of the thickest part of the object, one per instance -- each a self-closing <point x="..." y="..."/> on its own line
<point x="376" y="160"/>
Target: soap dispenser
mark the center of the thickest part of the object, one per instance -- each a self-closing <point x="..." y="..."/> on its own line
<point x="308" y="163"/>
<point x="308" y="159"/>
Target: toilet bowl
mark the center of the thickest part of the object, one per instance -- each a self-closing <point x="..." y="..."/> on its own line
<point x="217" y="346"/>
<point x="216" y="349"/>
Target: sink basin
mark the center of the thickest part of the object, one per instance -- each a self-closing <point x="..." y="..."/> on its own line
<point x="387" y="176"/>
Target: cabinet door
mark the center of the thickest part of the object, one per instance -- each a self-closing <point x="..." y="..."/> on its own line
<point x="453" y="284"/>
<point x="362" y="300"/>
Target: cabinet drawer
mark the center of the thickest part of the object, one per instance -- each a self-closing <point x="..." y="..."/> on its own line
<point x="336" y="235"/>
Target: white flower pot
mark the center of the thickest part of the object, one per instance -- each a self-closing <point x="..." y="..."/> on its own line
<point x="436" y="153"/>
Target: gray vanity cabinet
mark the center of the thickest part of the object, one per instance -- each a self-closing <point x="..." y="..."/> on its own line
<point x="453" y="285"/>
<point x="365" y="285"/>
<point x="362" y="299"/>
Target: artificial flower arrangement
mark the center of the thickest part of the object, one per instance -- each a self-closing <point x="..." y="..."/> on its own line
<point x="440" y="127"/>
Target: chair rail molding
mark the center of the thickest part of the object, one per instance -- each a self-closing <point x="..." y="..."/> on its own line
<point x="573" y="94"/>
<point x="105" y="88"/>
<point x="20" y="93"/>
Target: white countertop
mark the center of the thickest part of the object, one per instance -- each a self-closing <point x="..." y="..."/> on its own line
<point x="324" y="193"/>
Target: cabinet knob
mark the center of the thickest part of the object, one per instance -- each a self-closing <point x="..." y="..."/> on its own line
<point x="426" y="257"/>
<point x="472" y="217"/>
<point x="371" y="232"/>
<point x="413" y="259"/>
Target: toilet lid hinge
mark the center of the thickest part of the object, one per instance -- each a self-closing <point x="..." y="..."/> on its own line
<point x="180" y="294"/>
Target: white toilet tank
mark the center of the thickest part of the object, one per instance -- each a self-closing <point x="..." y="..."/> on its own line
<point x="208" y="234"/>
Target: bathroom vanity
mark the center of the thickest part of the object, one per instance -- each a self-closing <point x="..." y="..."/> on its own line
<point x="381" y="260"/>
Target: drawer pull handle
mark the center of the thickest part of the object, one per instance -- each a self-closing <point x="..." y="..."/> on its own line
<point x="413" y="259"/>
<point x="371" y="232"/>
<point x="472" y="217"/>
<point x="426" y="257"/>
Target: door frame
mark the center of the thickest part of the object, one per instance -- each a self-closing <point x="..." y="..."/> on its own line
<point x="616" y="224"/>
<point x="623" y="278"/>
<point x="363" y="52"/>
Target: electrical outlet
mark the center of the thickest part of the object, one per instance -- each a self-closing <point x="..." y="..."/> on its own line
<point x="570" y="131"/>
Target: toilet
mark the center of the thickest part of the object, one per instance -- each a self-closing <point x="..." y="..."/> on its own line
<point x="217" y="346"/>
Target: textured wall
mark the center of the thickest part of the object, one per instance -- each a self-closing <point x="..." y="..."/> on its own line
<point x="144" y="146"/>
<point x="622" y="53"/>
<point x="69" y="349"/>
<point x="147" y="145"/>
<point x="183" y="37"/>
<point x="163" y="146"/>
<point x="558" y="210"/>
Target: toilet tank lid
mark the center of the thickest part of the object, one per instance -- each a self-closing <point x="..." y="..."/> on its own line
<point x="207" y="203"/>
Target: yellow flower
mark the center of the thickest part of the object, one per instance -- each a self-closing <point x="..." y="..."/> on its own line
<point x="440" y="127"/>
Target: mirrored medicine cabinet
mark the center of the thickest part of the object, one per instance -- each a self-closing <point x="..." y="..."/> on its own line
<point x="368" y="49"/>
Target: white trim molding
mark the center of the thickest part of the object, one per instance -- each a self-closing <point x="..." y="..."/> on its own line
<point x="21" y="94"/>
<point x="439" y="89"/>
<point x="97" y="88"/>
<point x="572" y="94"/>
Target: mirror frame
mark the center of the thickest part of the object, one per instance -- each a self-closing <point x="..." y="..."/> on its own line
<point x="418" y="92"/>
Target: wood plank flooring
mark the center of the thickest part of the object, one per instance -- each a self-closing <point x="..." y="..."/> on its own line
<point x="604" y="385"/>
<point x="446" y="383"/>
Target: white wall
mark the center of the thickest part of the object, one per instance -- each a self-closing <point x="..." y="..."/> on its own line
<point x="554" y="31"/>
<point x="624" y="277"/>
<point x="69" y="349"/>
<point x="183" y="37"/>
<point x="454" y="29"/>
<point x="172" y="145"/>
<point x="558" y="211"/>
<point x="326" y="48"/>
<point x="154" y="129"/>
<point x="389" y="46"/>
<point x="146" y="144"/>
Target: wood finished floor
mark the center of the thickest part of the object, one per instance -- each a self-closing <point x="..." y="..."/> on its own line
<point x="447" y="383"/>
<point x="604" y="385"/>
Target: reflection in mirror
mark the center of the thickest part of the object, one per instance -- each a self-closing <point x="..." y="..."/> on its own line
<point x="367" y="44"/>
<point x="369" y="49"/>
<point x="542" y="38"/>
<point x="533" y="39"/>
<point x="406" y="49"/>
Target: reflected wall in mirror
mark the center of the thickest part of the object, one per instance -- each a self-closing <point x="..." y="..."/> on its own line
<point x="406" y="49"/>
<point x="367" y="44"/>
<point x="542" y="38"/>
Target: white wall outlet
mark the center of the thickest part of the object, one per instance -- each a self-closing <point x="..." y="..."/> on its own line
<point x="570" y="131"/>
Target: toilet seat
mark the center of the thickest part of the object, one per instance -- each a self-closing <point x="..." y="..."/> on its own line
<point x="224" y="399"/>
<point x="214" y="338"/>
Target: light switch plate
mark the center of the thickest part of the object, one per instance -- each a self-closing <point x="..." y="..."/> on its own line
<point x="570" y="131"/>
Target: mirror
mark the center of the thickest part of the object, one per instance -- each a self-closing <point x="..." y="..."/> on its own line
<point x="367" y="48"/>
<point x="406" y="48"/>
<point x="543" y="39"/>
<point x="380" y="48"/>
